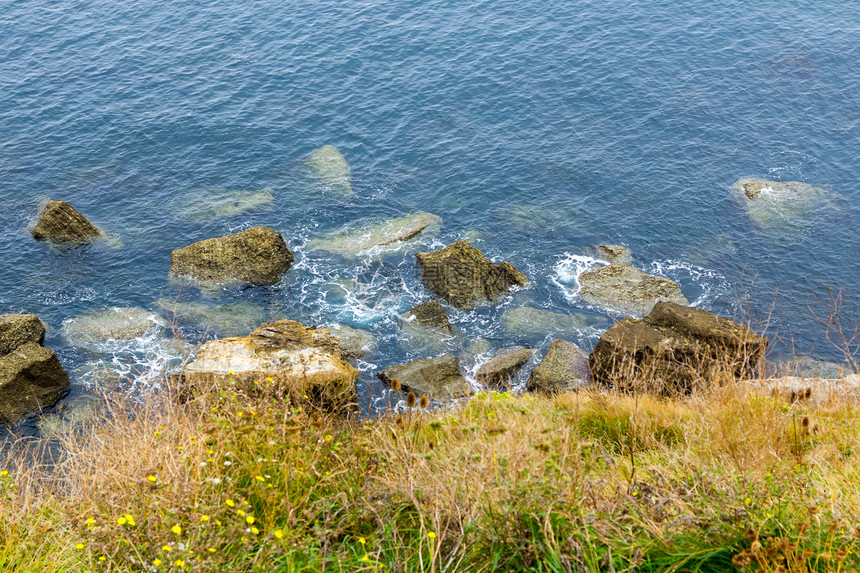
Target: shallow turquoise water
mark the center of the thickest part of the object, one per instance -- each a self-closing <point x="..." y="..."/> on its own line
<point x="535" y="128"/>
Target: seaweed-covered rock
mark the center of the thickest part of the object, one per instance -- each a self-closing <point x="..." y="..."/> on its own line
<point x="353" y="342"/>
<point x="94" y="327"/>
<point x="627" y="290"/>
<point x="538" y="323"/>
<point x="257" y="255"/>
<point x="674" y="350"/>
<point x="565" y="367"/>
<point x="201" y="205"/>
<point x="438" y="378"/>
<point x="329" y="165"/>
<point x="777" y="206"/>
<point x="18" y="329"/>
<point x="501" y="368"/>
<point x="59" y="222"/>
<point x="31" y="378"/>
<point x="460" y="274"/>
<point x="285" y="358"/>
<point x="363" y="236"/>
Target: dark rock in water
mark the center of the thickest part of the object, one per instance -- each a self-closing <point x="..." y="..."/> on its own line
<point x="426" y="329"/>
<point x="501" y="369"/>
<point x="429" y="315"/>
<point x="674" y="350"/>
<point x="330" y="166"/>
<point x="627" y="290"/>
<point x="615" y="253"/>
<point x="59" y="222"/>
<point x="461" y="275"/>
<point x="18" y="329"/>
<point x="257" y="255"/>
<point x="565" y="367"/>
<point x="283" y="357"/>
<point x="438" y="378"/>
<point x="31" y="378"/>
<point x="353" y="342"/>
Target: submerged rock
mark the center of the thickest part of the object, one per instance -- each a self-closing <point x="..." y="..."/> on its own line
<point x="212" y="203"/>
<point x="18" y="329"/>
<point x="627" y="290"/>
<point x="353" y="342"/>
<point x="501" y="368"/>
<point x="615" y="253"/>
<point x="438" y="378"/>
<point x="330" y="166"/>
<point x="538" y="323"/>
<point x="59" y="222"/>
<point x="775" y="206"/>
<point x="363" y="236"/>
<point x="285" y="358"/>
<point x="231" y="319"/>
<point x="257" y="255"/>
<point x="426" y="328"/>
<point x="565" y="367"/>
<point x="460" y="274"/>
<point x="674" y="350"/>
<point x="94" y="327"/>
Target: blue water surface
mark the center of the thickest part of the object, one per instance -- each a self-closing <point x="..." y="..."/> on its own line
<point x="534" y="128"/>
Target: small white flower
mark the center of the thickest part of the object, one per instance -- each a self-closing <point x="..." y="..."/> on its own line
<point x="228" y="463"/>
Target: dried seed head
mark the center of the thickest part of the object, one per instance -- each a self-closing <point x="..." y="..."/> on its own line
<point x="793" y="397"/>
<point x="410" y="399"/>
<point x="423" y="402"/>
<point x="395" y="384"/>
<point x="805" y="422"/>
<point x="808" y="393"/>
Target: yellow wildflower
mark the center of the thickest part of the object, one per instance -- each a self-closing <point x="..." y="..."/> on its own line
<point x="157" y="562"/>
<point x="121" y="521"/>
<point x="431" y="535"/>
<point x="211" y="550"/>
<point x="129" y="519"/>
<point x="179" y="563"/>
<point x="362" y="540"/>
<point x="176" y="529"/>
<point x="153" y="479"/>
<point x="79" y="546"/>
<point x="204" y="518"/>
<point x="279" y="534"/>
<point x="255" y="531"/>
<point x="250" y="519"/>
<point x="240" y="513"/>
<point x="167" y="548"/>
<point x="229" y="502"/>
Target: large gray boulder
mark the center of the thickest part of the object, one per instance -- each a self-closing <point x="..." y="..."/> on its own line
<point x="330" y="167"/>
<point x="461" y="275"/>
<point x="257" y="255"/>
<point x="627" y="290"/>
<point x="18" y="329"/>
<point x="675" y="349"/>
<point x="59" y="222"/>
<point x="500" y="370"/>
<point x="284" y="358"/>
<point x="31" y="377"/>
<point x="565" y="367"/>
<point x="777" y="206"/>
<point x="438" y="378"/>
<point x="369" y="236"/>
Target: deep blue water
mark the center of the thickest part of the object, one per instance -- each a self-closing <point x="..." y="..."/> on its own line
<point x="537" y="128"/>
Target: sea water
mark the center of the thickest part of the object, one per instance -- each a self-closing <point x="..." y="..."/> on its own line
<point x="536" y="129"/>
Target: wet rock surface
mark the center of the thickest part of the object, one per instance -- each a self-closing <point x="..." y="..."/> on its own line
<point x="565" y="367"/>
<point x="462" y="276"/>
<point x="18" y="329"/>
<point x="615" y="253"/>
<point x="257" y="255"/>
<point x="59" y="222"/>
<point x="500" y="370"/>
<point x="437" y="378"/>
<point x="627" y="290"/>
<point x="353" y="342"/>
<point x="675" y="349"/>
<point x="364" y="236"/>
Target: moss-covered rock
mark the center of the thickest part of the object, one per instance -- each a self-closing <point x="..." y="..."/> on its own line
<point x="257" y="255"/>
<point x="675" y="349"/>
<point x="368" y="235"/>
<point x="627" y="290"/>
<point x="329" y="165"/>
<point x="31" y="378"/>
<point x="59" y="222"/>
<point x="565" y="367"/>
<point x="285" y="358"/>
<point x="498" y="372"/>
<point x="18" y="329"/>
<point x="438" y="378"/>
<point x="461" y="275"/>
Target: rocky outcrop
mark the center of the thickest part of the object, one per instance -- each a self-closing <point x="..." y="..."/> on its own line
<point x="31" y="377"/>
<point x="565" y="367"/>
<point x="329" y="165"/>
<point x="427" y="315"/>
<point x="675" y="349"/>
<point x="437" y="378"/>
<point x="461" y="275"/>
<point x="92" y="328"/>
<point x="202" y="205"/>
<point x="353" y="342"/>
<point x="257" y="255"/>
<point x="615" y="253"/>
<point x="285" y="358"/>
<point x="498" y="373"/>
<point x="59" y="222"/>
<point x="539" y="323"/>
<point x="775" y="206"/>
<point x="627" y="290"/>
<point x="368" y="236"/>
<point x="18" y="329"/>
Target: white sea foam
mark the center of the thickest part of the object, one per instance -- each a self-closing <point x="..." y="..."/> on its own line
<point x="567" y="270"/>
